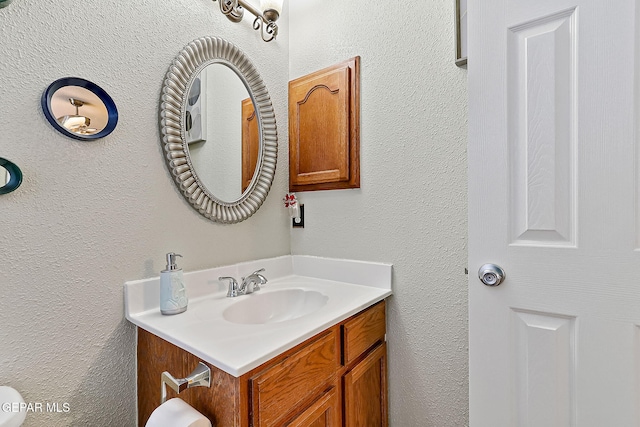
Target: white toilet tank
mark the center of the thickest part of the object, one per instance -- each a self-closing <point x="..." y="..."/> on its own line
<point x="10" y="414"/>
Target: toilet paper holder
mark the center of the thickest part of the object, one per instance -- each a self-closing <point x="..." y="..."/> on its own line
<point x="200" y="377"/>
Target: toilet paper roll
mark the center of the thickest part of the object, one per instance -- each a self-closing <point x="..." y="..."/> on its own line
<point x="177" y="413"/>
<point x="11" y="414"/>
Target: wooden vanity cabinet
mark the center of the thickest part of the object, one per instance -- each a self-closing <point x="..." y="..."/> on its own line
<point x="364" y="379"/>
<point x="279" y="391"/>
<point x="334" y="379"/>
<point x="365" y="396"/>
<point x="324" y="412"/>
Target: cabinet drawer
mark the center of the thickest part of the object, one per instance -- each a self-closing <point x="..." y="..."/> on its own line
<point x="278" y="390"/>
<point x="363" y="331"/>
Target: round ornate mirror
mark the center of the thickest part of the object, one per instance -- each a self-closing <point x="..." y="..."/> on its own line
<point x="219" y="130"/>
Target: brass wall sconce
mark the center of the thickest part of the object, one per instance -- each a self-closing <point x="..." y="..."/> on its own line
<point x="265" y="21"/>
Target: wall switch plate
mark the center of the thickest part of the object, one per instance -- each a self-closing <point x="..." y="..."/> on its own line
<point x="300" y="223"/>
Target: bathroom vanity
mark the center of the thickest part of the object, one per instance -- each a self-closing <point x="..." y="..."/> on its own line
<point x="305" y="350"/>
<point x="342" y="366"/>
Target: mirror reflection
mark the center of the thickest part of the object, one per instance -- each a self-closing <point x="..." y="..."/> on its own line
<point x="204" y="132"/>
<point x="79" y="110"/>
<point x="10" y="176"/>
<point x="222" y="132"/>
<point x="4" y="176"/>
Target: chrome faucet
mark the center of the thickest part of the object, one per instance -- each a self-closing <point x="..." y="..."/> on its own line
<point x="250" y="284"/>
<point x="233" y="286"/>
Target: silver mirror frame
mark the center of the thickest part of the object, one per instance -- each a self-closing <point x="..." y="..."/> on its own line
<point x="184" y="69"/>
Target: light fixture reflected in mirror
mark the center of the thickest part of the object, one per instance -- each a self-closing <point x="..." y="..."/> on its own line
<point x="265" y="20"/>
<point x="79" y="109"/>
<point x="75" y="122"/>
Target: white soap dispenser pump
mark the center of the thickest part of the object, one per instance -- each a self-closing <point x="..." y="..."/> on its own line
<point x="173" y="294"/>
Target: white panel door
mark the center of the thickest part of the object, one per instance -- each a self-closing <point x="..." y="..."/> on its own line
<point x="554" y="200"/>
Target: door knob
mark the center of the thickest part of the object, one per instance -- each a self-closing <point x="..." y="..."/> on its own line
<point x="491" y="275"/>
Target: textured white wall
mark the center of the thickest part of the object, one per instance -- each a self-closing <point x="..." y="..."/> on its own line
<point x="91" y="215"/>
<point x="411" y="209"/>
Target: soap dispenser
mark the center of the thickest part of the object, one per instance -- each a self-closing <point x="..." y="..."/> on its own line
<point x="173" y="294"/>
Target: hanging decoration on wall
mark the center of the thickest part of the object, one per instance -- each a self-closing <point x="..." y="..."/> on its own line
<point x="210" y="200"/>
<point x="4" y="3"/>
<point x="10" y="176"/>
<point x="79" y="109"/>
<point x="295" y="209"/>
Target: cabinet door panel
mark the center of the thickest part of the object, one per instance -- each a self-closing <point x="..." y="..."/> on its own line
<point x="324" y="136"/>
<point x="325" y="412"/>
<point x="365" y="391"/>
<point x="320" y="120"/>
<point x="277" y="391"/>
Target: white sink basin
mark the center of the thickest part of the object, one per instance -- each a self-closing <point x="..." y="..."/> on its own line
<point x="274" y="306"/>
<point x="304" y="296"/>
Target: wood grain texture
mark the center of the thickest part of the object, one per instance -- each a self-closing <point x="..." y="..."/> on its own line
<point x="365" y="391"/>
<point x="363" y="331"/>
<point x="324" y="129"/>
<point x="295" y="380"/>
<point x="250" y="142"/>
<point x="301" y="387"/>
<point x="324" y="412"/>
<point x="320" y="114"/>
<point x="221" y="403"/>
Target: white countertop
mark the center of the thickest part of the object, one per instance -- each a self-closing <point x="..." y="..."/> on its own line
<point x="350" y="286"/>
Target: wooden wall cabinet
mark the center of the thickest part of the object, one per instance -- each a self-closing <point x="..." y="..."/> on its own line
<point x="335" y="379"/>
<point x="324" y="129"/>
